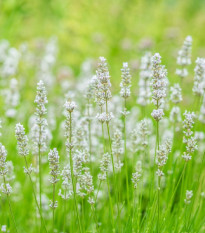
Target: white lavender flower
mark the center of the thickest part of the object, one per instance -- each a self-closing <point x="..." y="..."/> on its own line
<point x="3" y="163"/>
<point x="41" y="122"/>
<point x="67" y="189"/>
<point x="22" y="140"/>
<point x="202" y="112"/>
<point x="189" y="195"/>
<point x="117" y="149"/>
<point x="176" y="96"/>
<point x="102" y="83"/>
<point x="136" y="177"/>
<point x="175" y="114"/>
<point x="104" y="117"/>
<point x="86" y="185"/>
<point x="159" y="82"/>
<point x="157" y="114"/>
<point x="161" y="158"/>
<point x="199" y="77"/>
<point x="126" y="81"/>
<point x="184" y="57"/>
<point x="144" y="80"/>
<point x="5" y="187"/>
<point x="12" y="97"/>
<point x="191" y="142"/>
<point x="53" y="159"/>
<point x="104" y="166"/>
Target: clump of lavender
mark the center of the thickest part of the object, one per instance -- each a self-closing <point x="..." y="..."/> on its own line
<point x="22" y="146"/>
<point x="159" y="82"/>
<point x="189" y="195"/>
<point x="184" y="58"/>
<point x="188" y="139"/>
<point x="199" y="77"/>
<point x="69" y="108"/>
<point x="53" y="159"/>
<point x="144" y="80"/>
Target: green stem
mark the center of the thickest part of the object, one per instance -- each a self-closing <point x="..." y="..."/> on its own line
<point x="42" y="220"/>
<point x="10" y="208"/>
<point x="125" y="152"/>
<point x="72" y="173"/>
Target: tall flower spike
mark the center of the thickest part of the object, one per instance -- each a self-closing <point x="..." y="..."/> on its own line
<point x="126" y="81"/>
<point x="176" y="96"/>
<point x="144" y="80"/>
<point x="189" y="195"/>
<point x="117" y="149"/>
<point x="137" y="175"/>
<point x="41" y="101"/>
<point x="190" y="141"/>
<point x="199" y="77"/>
<point x="22" y="140"/>
<point x="53" y="159"/>
<point x="102" y="83"/>
<point x="159" y="82"/>
<point x="184" y="57"/>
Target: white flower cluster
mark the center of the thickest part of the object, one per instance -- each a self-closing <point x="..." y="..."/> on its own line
<point x="53" y="159"/>
<point x="139" y="136"/>
<point x="41" y="122"/>
<point x="175" y="114"/>
<point x="136" y="177"/>
<point x="12" y="97"/>
<point x="126" y="81"/>
<point x="5" y="187"/>
<point x="69" y="108"/>
<point x="104" y="117"/>
<point x="117" y="149"/>
<point x="67" y="188"/>
<point x="176" y="95"/>
<point x="86" y="184"/>
<point x="102" y="83"/>
<point x="162" y="156"/>
<point x="144" y="80"/>
<point x="188" y="139"/>
<point x="104" y="166"/>
<point x="184" y="57"/>
<point x="22" y="140"/>
<point x="157" y="114"/>
<point x="189" y="195"/>
<point x="159" y="82"/>
<point x="199" y="77"/>
<point x="202" y="111"/>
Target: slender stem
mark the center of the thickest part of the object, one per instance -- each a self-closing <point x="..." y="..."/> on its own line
<point x="110" y="201"/>
<point x="42" y="219"/>
<point x="64" y="213"/>
<point x="72" y="173"/>
<point x="125" y="153"/>
<point x="10" y="207"/>
<point x="39" y="167"/>
<point x="53" y="206"/>
<point x="89" y="133"/>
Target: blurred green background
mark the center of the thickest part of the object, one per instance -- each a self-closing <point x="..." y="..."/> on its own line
<point x="120" y="30"/>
